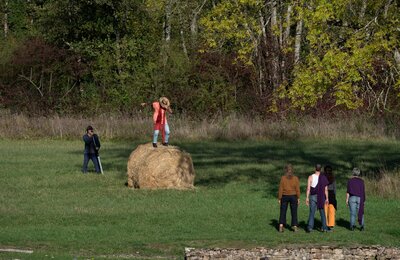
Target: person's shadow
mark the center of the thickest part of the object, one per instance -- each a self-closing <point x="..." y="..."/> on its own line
<point x="343" y="223"/>
<point x="275" y="223"/>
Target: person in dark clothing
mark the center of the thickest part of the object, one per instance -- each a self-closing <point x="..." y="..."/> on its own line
<point x="317" y="197"/>
<point x="330" y="209"/>
<point x="92" y="146"/>
<point x="355" y="199"/>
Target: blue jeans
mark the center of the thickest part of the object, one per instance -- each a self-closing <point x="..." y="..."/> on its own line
<point x="313" y="209"/>
<point x="86" y="158"/>
<point x="354" y="205"/>
<point x="156" y="132"/>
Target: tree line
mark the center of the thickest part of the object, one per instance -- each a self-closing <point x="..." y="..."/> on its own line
<point x="207" y="56"/>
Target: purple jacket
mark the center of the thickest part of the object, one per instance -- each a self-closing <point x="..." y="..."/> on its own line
<point x="355" y="187"/>
<point x="320" y="191"/>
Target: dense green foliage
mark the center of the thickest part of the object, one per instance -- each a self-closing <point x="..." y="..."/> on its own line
<point x="208" y="56"/>
<point x="48" y="206"/>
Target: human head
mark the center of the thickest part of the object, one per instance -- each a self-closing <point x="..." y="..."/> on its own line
<point x="318" y="167"/>
<point x="356" y="172"/>
<point x="328" y="169"/>
<point x="164" y="102"/>
<point x="289" y="170"/>
<point x="89" y="128"/>
<point x="329" y="173"/>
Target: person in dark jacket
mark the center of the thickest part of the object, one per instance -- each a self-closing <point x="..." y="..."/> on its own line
<point x="317" y="197"/>
<point x="330" y="209"/>
<point x="92" y="146"/>
<point x="355" y="199"/>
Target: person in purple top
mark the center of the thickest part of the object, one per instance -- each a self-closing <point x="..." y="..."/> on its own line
<point x="317" y="197"/>
<point x="355" y="199"/>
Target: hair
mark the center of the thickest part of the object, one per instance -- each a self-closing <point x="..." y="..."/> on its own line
<point x="318" y="167"/>
<point x="356" y="172"/>
<point x="329" y="173"/>
<point x="289" y="170"/>
<point x="89" y="128"/>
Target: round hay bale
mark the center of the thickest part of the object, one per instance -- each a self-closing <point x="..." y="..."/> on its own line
<point x="164" y="167"/>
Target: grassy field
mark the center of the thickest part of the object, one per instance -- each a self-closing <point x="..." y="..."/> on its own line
<point x="48" y="206"/>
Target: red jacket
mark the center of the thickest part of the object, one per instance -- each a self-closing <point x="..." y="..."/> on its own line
<point x="159" y="116"/>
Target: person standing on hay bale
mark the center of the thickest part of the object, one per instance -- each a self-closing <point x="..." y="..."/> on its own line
<point x="91" y="152"/>
<point x="161" y="108"/>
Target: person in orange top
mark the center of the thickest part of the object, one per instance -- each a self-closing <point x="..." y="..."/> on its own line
<point x="289" y="193"/>
<point x="160" y="120"/>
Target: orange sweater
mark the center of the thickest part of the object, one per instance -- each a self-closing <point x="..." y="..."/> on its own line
<point x="289" y="186"/>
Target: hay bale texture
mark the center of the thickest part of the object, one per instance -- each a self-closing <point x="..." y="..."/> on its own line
<point x="164" y="167"/>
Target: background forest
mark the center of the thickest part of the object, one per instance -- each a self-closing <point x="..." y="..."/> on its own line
<point x="254" y="85"/>
<point x="69" y="57"/>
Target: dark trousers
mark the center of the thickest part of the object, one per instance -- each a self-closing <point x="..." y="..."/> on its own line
<point x="86" y="158"/>
<point x="292" y="200"/>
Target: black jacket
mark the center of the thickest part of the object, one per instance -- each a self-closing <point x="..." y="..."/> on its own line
<point x="92" y="144"/>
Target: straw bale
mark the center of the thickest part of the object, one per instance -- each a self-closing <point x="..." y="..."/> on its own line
<point x="164" y="167"/>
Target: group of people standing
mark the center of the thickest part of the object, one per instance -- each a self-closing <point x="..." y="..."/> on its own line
<point x="321" y="186"/>
<point x="321" y="196"/>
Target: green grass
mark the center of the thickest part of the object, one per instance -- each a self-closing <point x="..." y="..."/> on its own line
<point x="47" y="205"/>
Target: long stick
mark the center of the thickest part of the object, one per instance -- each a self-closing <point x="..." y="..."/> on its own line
<point x="101" y="167"/>
<point x="98" y="156"/>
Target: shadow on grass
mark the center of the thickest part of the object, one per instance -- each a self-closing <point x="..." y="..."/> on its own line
<point x="302" y="225"/>
<point x="262" y="163"/>
<point x="343" y="223"/>
<point x="219" y="163"/>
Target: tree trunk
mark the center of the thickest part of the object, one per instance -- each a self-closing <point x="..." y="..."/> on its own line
<point x="275" y="46"/>
<point x="387" y="5"/>
<point x="263" y="31"/>
<point x="287" y="31"/>
<point x="285" y="40"/>
<point x="118" y="52"/>
<point x="273" y="13"/>
<point x="297" y="44"/>
<point x="262" y="73"/>
<point x="6" y="20"/>
<point x="193" y="23"/>
<point x="182" y="33"/>
<point x="363" y="8"/>
<point x="397" y="58"/>
<point x="167" y="22"/>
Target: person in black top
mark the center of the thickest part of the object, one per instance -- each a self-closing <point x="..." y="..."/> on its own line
<point x="330" y="209"/>
<point x="92" y="146"/>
